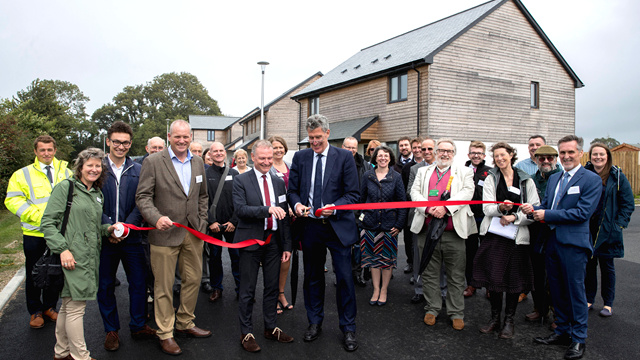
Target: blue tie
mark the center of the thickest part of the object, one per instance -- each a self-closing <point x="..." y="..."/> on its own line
<point x="563" y="183"/>
<point x="317" y="185"/>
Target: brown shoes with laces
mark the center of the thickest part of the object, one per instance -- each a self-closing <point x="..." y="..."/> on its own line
<point x="50" y="314"/>
<point x="36" y="321"/>
<point x="278" y="335"/>
<point x="145" y="333"/>
<point x="194" y="332"/>
<point x="249" y="343"/>
<point x="112" y="341"/>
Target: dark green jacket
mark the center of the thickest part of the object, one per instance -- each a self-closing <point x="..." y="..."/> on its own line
<point x="83" y="236"/>
<point x="541" y="182"/>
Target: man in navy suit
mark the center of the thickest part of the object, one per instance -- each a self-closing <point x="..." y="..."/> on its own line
<point x="319" y="177"/>
<point x="570" y="200"/>
<point x="261" y="205"/>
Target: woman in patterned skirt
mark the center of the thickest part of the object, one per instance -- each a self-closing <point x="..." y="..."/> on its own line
<point x="380" y="228"/>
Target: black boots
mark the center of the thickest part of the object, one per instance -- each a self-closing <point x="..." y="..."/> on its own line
<point x="509" y="312"/>
<point x="496" y="309"/>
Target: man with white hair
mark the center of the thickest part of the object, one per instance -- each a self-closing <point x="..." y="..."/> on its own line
<point x="154" y="145"/>
<point x="430" y="183"/>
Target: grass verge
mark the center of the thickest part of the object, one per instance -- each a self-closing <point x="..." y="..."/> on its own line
<point x="11" y="254"/>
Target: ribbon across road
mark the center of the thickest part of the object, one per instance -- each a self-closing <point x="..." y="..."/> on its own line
<point x="209" y="239"/>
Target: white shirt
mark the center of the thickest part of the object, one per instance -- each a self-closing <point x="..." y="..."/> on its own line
<point x="43" y="167"/>
<point x="571" y="173"/>
<point x="272" y="197"/>
<point x="313" y="176"/>
<point x="117" y="171"/>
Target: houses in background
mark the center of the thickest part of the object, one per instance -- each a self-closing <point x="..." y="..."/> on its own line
<point x="206" y="129"/>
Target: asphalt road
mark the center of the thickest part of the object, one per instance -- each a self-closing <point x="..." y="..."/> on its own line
<point x="394" y="331"/>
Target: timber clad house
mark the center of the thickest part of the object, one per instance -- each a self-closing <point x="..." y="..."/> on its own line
<point x="206" y="129"/>
<point x="488" y="73"/>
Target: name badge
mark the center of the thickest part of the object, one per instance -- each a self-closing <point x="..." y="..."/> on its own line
<point x="361" y="217"/>
<point x="573" y="190"/>
<point x="279" y="174"/>
<point x="228" y="178"/>
<point x="434" y="192"/>
<point x="481" y="183"/>
<point x="282" y="198"/>
<point x="99" y="200"/>
<point x="198" y="179"/>
<point x="514" y="190"/>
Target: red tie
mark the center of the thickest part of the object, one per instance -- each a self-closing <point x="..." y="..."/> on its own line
<point x="267" y="199"/>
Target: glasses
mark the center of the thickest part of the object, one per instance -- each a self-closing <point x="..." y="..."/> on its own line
<point x="444" y="151"/>
<point x="117" y="143"/>
<point x="549" y="158"/>
<point x="427" y="148"/>
<point x="476" y="153"/>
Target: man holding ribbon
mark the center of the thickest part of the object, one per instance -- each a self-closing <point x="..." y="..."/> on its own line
<point x="172" y="189"/>
<point x="430" y="183"/>
<point x="320" y="177"/>
<point x="261" y="205"/>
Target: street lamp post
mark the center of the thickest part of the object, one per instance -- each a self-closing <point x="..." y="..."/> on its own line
<point x="167" y="132"/>
<point x="262" y="64"/>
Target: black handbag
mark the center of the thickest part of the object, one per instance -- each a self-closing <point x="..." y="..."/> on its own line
<point x="47" y="272"/>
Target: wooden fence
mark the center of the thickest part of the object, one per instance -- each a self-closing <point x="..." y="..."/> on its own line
<point x="629" y="162"/>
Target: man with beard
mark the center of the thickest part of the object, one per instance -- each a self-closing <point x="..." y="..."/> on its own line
<point x="547" y="159"/>
<point x="405" y="157"/>
<point x="430" y="183"/>
<point x="480" y="170"/>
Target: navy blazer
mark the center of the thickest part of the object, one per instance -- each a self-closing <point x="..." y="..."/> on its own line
<point x="251" y="210"/>
<point x="571" y="218"/>
<point x="340" y="187"/>
<point x="124" y="195"/>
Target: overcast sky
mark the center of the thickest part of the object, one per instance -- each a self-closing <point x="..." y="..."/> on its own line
<point x="103" y="46"/>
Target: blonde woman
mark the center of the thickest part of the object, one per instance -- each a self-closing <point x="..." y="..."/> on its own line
<point x="241" y="158"/>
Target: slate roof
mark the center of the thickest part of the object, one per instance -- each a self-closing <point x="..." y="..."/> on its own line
<point x="226" y="147"/>
<point x="207" y="122"/>
<point x="418" y="46"/>
<point x="344" y="129"/>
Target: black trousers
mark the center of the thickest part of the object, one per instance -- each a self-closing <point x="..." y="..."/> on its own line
<point x="269" y="255"/>
<point x="37" y="299"/>
<point x="408" y="243"/>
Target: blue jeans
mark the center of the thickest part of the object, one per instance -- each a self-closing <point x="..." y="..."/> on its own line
<point x="607" y="276"/>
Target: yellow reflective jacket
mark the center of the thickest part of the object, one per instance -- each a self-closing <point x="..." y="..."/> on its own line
<point x="28" y="193"/>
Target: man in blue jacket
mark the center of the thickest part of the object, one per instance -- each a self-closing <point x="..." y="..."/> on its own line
<point x="119" y="191"/>
<point x="570" y="200"/>
<point x="323" y="176"/>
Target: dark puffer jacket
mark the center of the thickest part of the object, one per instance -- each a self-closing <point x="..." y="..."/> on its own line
<point x="388" y="189"/>
<point x="617" y="207"/>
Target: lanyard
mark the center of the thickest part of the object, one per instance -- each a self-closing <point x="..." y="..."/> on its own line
<point x="441" y="176"/>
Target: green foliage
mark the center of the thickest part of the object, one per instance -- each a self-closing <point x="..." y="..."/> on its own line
<point x="609" y="141"/>
<point x="147" y="107"/>
<point x="15" y="146"/>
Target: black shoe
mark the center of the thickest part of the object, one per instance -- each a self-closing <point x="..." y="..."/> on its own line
<point x="554" y="339"/>
<point x="206" y="287"/>
<point x="408" y="268"/>
<point x="117" y="282"/>
<point x="360" y="281"/>
<point x="350" y="342"/>
<point x="176" y="290"/>
<point x="417" y="299"/>
<point x="312" y="332"/>
<point x="575" y="351"/>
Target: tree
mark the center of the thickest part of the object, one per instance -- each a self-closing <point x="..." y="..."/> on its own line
<point x="147" y="107"/>
<point x="609" y="141"/>
<point x="15" y="146"/>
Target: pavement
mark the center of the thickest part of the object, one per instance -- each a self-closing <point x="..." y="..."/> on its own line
<point x="393" y="331"/>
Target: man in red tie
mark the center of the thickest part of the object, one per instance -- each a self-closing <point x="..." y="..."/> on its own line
<point x="261" y="205"/>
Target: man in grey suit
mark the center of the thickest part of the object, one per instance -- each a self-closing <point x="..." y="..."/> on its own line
<point x="260" y="201"/>
<point x="172" y="188"/>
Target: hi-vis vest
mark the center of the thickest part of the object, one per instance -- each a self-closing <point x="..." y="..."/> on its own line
<point x="28" y="193"/>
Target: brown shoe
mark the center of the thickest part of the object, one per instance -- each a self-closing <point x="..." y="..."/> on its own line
<point x="277" y="334"/>
<point x="50" y="314"/>
<point x="430" y="319"/>
<point x="194" y="332"/>
<point x="36" y="322"/>
<point x="458" y="324"/>
<point x="145" y="333"/>
<point x="249" y="343"/>
<point x="534" y="316"/>
<point x="112" y="341"/>
<point x="469" y="291"/>
<point x="215" y="295"/>
<point x="522" y="297"/>
<point x="68" y="357"/>
<point x="169" y="346"/>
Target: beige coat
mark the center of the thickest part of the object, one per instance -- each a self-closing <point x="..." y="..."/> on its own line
<point x="160" y="193"/>
<point x="462" y="188"/>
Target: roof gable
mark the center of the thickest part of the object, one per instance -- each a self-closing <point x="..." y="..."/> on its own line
<point x="415" y="47"/>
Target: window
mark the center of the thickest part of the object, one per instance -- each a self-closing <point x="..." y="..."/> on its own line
<point x="535" y="95"/>
<point x="211" y="135"/>
<point x="314" y="106"/>
<point x="398" y="88"/>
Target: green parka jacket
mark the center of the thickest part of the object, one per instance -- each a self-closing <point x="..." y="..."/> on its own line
<point x="83" y="236"/>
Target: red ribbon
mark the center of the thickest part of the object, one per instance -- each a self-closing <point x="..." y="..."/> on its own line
<point x="209" y="239"/>
<point x="408" y="204"/>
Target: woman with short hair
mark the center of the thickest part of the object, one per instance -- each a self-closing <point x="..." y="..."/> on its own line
<point x="241" y="159"/>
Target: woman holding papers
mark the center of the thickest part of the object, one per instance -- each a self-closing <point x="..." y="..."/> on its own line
<point x="502" y="262"/>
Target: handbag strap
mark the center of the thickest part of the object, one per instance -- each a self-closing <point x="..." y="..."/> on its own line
<point x="216" y="198"/>
<point x="65" y="219"/>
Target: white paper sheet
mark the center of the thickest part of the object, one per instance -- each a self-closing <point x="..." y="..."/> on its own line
<point x="508" y="231"/>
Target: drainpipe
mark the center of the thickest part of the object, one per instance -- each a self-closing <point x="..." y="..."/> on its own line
<point x="418" y="101"/>
<point x="299" y="120"/>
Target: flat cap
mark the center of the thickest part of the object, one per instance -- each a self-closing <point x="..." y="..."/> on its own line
<point x="546" y="150"/>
